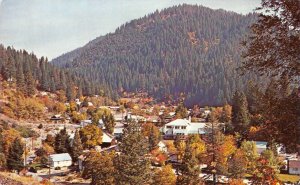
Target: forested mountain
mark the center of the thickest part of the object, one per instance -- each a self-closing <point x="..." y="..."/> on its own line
<point x="184" y="49"/>
<point x="29" y="74"/>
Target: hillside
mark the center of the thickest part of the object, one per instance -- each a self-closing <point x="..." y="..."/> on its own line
<point x="28" y="74"/>
<point x="184" y="49"/>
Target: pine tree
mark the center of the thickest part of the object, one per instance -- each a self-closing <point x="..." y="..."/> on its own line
<point x="14" y="160"/>
<point x="190" y="169"/>
<point x="70" y="92"/>
<point x="30" y="84"/>
<point x="20" y="80"/>
<point x="153" y="139"/>
<point x="131" y="165"/>
<point x="76" y="148"/>
<point x="61" y="144"/>
<point x="241" y="116"/>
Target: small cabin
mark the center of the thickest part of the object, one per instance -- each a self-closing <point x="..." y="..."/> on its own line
<point x="60" y="160"/>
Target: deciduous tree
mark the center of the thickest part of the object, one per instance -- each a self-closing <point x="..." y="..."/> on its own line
<point x="99" y="167"/>
<point x="164" y="176"/>
<point x="91" y="136"/>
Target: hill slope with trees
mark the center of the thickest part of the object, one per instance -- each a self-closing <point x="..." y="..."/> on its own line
<point x="183" y="49"/>
<point x="28" y="74"/>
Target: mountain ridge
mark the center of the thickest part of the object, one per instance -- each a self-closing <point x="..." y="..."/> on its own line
<point x="186" y="49"/>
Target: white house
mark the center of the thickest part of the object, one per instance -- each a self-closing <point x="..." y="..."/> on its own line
<point x="60" y="160"/>
<point x="183" y="127"/>
<point x="294" y="166"/>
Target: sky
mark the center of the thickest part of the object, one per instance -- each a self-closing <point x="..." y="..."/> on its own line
<point x="53" y="27"/>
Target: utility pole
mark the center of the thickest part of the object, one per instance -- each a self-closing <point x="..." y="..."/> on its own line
<point x="49" y="166"/>
<point x="25" y="153"/>
<point x="212" y="119"/>
<point x="214" y="154"/>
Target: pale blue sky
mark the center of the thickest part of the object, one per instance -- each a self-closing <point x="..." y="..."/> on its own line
<point x="53" y="27"/>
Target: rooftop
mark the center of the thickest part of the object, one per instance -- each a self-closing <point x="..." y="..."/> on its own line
<point x="179" y="122"/>
<point x="61" y="157"/>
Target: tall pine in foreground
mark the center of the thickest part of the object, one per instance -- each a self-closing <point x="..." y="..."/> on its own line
<point x="190" y="169"/>
<point x="76" y="149"/>
<point x="14" y="160"/>
<point x="131" y="165"/>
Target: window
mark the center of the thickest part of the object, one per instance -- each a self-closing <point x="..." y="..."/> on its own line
<point x="169" y="126"/>
<point x="295" y="169"/>
<point x="183" y="127"/>
<point x="176" y="127"/>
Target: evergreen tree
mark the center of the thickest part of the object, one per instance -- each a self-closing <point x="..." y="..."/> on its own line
<point x="131" y="165"/>
<point x="14" y="158"/>
<point x="240" y="116"/>
<point x="70" y="92"/>
<point x="190" y="169"/>
<point x="30" y="84"/>
<point x="153" y="139"/>
<point x="61" y="144"/>
<point x="76" y="149"/>
<point x="20" y="80"/>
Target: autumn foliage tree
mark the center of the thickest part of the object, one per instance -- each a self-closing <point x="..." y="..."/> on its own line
<point x="91" y="136"/>
<point x="272" y="49"/>
<point x="273" y="45"/>
<point x="150" y="131"/>
<point x="164" y="176"/>
<point x="190" y="168"/>
<point x="99" y="167"/>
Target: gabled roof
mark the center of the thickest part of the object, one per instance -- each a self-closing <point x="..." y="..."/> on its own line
<point x="179" y="122"/>
<point x="107" y="138"/>
<point x="60" y="157"/>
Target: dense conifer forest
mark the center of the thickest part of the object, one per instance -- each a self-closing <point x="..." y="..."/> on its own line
<point x="184" y="49"/>
<point x="29" y="74"/>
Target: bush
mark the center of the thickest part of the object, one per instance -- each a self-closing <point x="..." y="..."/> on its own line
<point x="32" y="169"/>
<point x="40" y="126"/>
<point x="57" y="168"/>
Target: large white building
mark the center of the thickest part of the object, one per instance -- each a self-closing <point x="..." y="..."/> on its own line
<point x="183" y="127"/>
